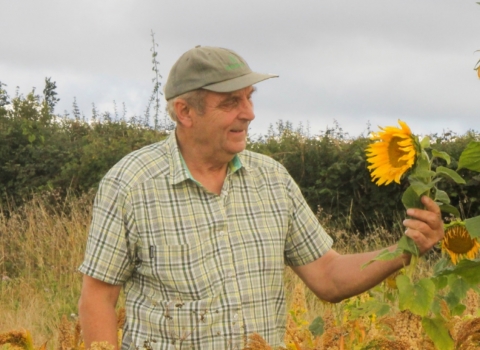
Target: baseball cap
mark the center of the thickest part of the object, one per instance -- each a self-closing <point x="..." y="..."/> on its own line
<point x="211" y="68"/>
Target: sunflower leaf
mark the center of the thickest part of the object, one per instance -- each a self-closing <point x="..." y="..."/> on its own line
<point x="317" y="327"/>
<point x="441" y="154"/>
<point x="469" y="270"/>
<point x="450" y="209"/>
<point x="384" y="255"/>
<point x="442" y="196"/>
<point x="470" y="157"/>
<point x="425" y="143"/>
<point x="452" y="174"/>
<point x="419" y="186"/>
<point x="437" y="330"/>
<point x="440" y="282"/>
<point x="422" y="163"/>
<point x="367" y="308"/>
<point x="452" y="300"/>
<point x="473" y="226"/>
<point x="459" y="287"/>
<point x="458" y="310"/>
<point x="422" y="174"/>
<point x="410" y="199"/>
<point x="416" y="297"/>
<point x="406" y="244"/>
<point x="436" y="308"/>
<point x="440" y="266"/>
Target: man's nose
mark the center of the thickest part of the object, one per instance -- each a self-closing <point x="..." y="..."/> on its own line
<point x="246" y="109"/>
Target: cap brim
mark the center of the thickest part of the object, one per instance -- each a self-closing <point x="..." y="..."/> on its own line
<point x="238" y="83"/>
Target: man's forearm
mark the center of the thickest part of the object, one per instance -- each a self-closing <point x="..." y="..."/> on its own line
<point x="335" y="277"/>
<point x="350" y="278"/>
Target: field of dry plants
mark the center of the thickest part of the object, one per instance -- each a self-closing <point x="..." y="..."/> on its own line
<point x="42" y="245"/>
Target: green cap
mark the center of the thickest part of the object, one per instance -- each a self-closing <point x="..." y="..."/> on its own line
<point x="211" y="68"/>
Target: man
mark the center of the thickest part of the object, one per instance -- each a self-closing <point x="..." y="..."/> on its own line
<point x="198" y="230"/>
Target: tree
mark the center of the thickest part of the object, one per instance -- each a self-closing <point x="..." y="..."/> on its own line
<point x="3" y="95"/>
<point x="50" y="94"/>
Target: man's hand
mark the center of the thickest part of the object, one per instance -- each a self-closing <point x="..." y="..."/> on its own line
<point x="426" y="226"/>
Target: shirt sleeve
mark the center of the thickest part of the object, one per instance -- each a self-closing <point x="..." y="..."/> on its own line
<point x="108" y="256"/>
<point x="306" y="240"/>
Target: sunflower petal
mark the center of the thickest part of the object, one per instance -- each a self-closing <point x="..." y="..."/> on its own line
<point x="391" y="153"/>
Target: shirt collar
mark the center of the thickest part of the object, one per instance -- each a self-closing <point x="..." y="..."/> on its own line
<point x="178" y="169"/>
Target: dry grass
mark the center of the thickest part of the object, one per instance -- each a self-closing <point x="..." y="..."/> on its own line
<point x="41" y="247"/>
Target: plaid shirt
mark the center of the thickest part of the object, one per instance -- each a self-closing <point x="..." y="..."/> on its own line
<point x="200" y="270"/>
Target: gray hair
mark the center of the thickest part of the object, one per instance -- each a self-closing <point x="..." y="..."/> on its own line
<point x="194" y="99"/>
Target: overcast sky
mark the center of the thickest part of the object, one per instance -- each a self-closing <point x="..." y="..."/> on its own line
<point x="354" y="62"/>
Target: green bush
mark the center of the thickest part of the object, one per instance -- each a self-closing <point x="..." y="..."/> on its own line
<point x="42" y="151"/>
<point x="332" y="173"/>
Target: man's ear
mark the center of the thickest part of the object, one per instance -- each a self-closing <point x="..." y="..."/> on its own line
<point x="183" y="112"/>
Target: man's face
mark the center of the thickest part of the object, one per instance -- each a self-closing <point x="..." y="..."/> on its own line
<point x="224" y="125"/>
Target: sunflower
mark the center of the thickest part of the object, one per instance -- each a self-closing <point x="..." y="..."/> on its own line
<point x="391" y="154"/>
<point x="458" y="243"/>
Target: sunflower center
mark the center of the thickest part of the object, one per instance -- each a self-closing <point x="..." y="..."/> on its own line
<point x="460" y="242"/>
<point x="395" y="153"/>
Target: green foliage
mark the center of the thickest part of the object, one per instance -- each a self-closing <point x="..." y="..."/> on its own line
<point x="50" y="94"/>
<point x="450" y="284"/>
<point x="470" y="157"/>
<point x="26" y="160"/>
<point x="465" y="197"/>
<point x="41" y="151"/>
<point x="437" y="330"/>
<point x="416" y="297"/>
<point x="154" y="100"/>
<point x="473" y="226"/>
<point x="3" y="95"/>
<point x="317" y="326"/>
<point x="411" y="199"/>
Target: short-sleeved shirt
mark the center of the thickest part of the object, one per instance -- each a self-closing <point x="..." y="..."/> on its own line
<point x="200" y="269"/>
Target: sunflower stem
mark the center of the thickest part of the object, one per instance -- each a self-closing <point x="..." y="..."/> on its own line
<point x="410" y="269"/>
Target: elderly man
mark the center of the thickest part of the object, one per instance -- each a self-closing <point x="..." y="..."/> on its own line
<point x="198" y="231"/>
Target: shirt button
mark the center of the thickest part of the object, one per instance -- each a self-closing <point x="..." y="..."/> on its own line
<point x="221" y="233"/>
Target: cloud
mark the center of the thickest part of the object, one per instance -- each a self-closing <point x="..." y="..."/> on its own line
<point x="353" y="62"/>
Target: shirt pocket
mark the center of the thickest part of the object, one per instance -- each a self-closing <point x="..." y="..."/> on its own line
<point x="182" y="272"/>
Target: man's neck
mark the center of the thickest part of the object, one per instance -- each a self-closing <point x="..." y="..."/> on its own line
<point x="205" y="168"/>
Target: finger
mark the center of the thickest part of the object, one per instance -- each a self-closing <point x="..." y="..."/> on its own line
<point x="423" y="220"/>
<point x="430" y="205"/>
<point x="417" y="225"/>
<point x="420" y="240"/>
<point x="431" y="215"/>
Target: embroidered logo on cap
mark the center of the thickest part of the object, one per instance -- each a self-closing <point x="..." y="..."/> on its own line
<point x="235" y="63"/>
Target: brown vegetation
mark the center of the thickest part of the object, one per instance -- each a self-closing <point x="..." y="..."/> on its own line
<point x="42" y="245"/>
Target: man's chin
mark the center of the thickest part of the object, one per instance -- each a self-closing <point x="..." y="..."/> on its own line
<point x="238" y="147"/>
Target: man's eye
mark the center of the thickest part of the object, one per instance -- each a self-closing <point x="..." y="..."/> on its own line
<point x="230" y="103"/>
